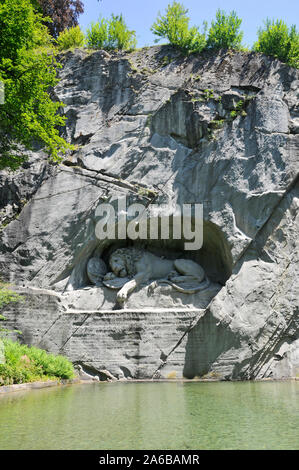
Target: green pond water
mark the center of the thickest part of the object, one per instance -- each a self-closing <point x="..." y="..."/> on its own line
<point x="238" y="415"/>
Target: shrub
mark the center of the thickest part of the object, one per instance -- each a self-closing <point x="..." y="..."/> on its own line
<point x="225" y="31"/>
<point x="70" y="38"/>
<point x="111" y="34"/>
<point x="279" y="41"/>
<point x="10" y="375"/>
<point x="97" y="34"/>
<point x="174" y="26"/>
<point x="293" y="57"/>
<point x="28" y="364"/>
<point x="7" y="296"/>
<point x="119" y="37"/>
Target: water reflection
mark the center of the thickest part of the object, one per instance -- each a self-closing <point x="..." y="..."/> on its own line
<point x="240" y="415"/>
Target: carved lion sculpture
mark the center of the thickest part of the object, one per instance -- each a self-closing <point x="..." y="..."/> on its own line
<point x="132" y="267"/>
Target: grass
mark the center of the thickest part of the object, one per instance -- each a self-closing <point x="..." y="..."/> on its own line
<point x="29" y="364"/>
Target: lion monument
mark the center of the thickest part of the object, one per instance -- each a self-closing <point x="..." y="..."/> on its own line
<point x="132" y="267"/>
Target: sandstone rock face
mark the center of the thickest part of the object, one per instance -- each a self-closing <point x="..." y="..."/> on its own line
<point x="158" y="128"/>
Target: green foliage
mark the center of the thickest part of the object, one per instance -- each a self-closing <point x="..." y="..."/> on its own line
<point x="208" y="94"/>
<point x="28" y="69"/>
<point x="119" y="37"/>
<point x="239" y="109"/>
<point x="62" y="13"/>
<point x="293" y="56"/>
<point x="111" y="34"/>
<point x="165" y="61"/>
<point x="278" y="40"/>
<point x="70" y="38"/>
<point x="174" y="26"/>
<point x="97" y="34"/>
<point x="24" y="363"/>
<point x="239" y="105"/>
<point x="225" y="31"/>
<point x="21" y="28"/>
<point x="7" y="296"/>
<point x="28" y="364"/>
<point x="19" y="374"/>
<point x="217" y="123"/>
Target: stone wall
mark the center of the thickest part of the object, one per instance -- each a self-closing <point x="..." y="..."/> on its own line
<point x="217" y="129"/>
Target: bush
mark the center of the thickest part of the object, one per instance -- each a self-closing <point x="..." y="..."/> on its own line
<point x="70" y="38"/>
<point x="10" y="375"/>
<point x="119" y="37"/>
<point x="279" y="41"/>
<point x="28" y="364"/>
<point x="97" y="34"/>
<point x="225" y="31"/>
<point x="111" y="34"/>
<point x="7" y="296"/>
<point x="174" y="26"/>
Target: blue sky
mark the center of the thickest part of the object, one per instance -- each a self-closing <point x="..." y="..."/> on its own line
<point x="140" y="15"/>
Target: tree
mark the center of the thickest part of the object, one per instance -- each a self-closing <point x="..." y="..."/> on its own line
<point x="70" y="38"/>
<point x="110" y="34"/>
<point x="225" y="31"/>
<point x="28" y="69"/>
<point x="278" y="40"/>
<point x="174" y="26"/>
<point x="63" y="13"/>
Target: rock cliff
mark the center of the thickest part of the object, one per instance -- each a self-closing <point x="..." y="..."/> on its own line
<point x="219" y="129"/>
